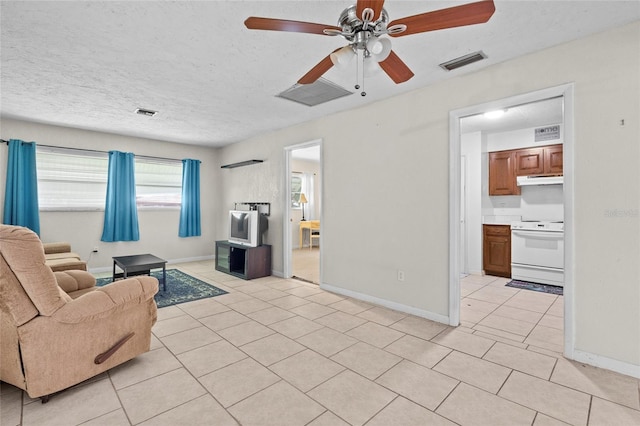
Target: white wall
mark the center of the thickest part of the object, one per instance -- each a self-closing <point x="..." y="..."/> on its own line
<point x="158" y="228"/>
<point x="521" y="138"/>
<point x="471" y="147"/>
<point x="399" y="219"/>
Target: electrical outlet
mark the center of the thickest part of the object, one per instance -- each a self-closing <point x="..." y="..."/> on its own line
<point x="400" y="275"/>
<point x="95" y="249"/>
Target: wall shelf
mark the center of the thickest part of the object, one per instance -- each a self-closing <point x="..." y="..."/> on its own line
<point x="241" y="164"/>
<point x="264" y="208"/>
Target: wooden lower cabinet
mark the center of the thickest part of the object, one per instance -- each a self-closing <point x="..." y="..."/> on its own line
<point x="496" y="250"/>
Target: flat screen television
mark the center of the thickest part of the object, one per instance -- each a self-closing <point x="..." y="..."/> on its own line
<point x="246" y="227"/>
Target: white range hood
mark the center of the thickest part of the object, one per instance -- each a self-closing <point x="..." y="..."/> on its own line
<point x="539" y="180"/>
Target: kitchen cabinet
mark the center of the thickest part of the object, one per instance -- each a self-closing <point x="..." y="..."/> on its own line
<point x="553" y="159"/>
<point x="502" y="173"/>
<point x="505" y="166"/>
<point x="530" y="162"/>
<point x="496" y="250"/>
<point x="539" y="161"/>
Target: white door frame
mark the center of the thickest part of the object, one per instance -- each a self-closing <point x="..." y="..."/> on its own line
<point x="567" y="92"/>
<point x="286" y="217"/>
<point x="464" y="237"/>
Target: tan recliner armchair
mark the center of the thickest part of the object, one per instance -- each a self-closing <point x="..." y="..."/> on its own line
<point x="50" y="341"/>
<point x="59" y="257"/>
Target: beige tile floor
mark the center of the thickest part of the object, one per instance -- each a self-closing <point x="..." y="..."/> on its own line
<point x="284" y="352"/>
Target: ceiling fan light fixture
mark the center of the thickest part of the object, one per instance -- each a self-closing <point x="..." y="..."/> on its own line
<point x="379" y="48"/>
<point x="341" y="58"/>
<point x="371" y="67"/>
<point x="362" y="24"/>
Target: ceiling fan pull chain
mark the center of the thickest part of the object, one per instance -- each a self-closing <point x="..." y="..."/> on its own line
<point x="361" y="59"/>
<point x="357" y="86"/>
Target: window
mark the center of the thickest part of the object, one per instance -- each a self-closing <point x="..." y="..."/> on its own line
<point x="76" y="179"/>
<point x="71" y="179"/>
<point x="158" y="182"/>
<point x="296" y="190"/>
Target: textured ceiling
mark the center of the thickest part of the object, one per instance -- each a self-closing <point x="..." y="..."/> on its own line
<point x="90" y="64"/>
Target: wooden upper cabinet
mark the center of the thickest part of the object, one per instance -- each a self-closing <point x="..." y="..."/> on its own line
<point x="504" y="166"/>
<point x="502" y="173"/>
<point x="544" y="160"/>
<point x="530" y="162"/>
<point x="553" y="159"/>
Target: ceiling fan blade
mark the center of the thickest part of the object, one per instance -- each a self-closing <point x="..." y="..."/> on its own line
<point x="396" y="69"/>
<point x="457" y="16"/>
<point x="256" y="23"/>
<point x="375" y="5"/>
<point x="317" y="71"/>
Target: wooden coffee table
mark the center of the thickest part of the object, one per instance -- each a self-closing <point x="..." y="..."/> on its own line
<point x="139" y="264"/>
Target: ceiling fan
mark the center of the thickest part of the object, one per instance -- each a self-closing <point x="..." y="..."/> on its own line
<point x="364" y="24"/>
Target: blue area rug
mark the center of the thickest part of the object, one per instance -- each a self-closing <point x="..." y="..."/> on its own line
<point x="181" y="288"/>
<point x="542" y="288"/>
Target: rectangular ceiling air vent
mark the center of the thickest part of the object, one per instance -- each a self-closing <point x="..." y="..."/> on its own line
<point x="463" y="60"/>
<point x="315" y="93"/>
<point x="147" y="112"/>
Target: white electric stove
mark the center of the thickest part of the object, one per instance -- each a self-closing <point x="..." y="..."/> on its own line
<point x="537" y="252"/>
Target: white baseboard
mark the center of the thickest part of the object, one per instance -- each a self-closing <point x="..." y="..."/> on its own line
<point x="387" y="304"/>
<point x="169" y="262"/>
<point x="607" y="363"/>
<point x="278" y="274"/>
<point x="191" y="259"/>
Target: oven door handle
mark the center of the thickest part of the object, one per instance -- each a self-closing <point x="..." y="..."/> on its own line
<point x="537" y="267"/>
<point x="539" y="234"/>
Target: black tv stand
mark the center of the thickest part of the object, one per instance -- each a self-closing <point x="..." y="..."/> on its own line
<point x="242" y="261"/>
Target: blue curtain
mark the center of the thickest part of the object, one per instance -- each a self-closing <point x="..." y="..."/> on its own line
<point x="21" y="192"/>
<point x="120" y="212"/>
<point x="190" y="208"/>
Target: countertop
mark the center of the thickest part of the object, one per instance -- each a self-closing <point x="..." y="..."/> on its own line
<point x="500" y="219"/>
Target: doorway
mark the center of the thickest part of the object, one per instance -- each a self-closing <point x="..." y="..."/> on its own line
<point x="457" y="214"/>
<point x="303" y="232"/>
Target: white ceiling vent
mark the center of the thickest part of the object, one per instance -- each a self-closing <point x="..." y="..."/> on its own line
<point x="463" y="60"/>
<point x="314" y="94"/>
<point x="147" y="112"/>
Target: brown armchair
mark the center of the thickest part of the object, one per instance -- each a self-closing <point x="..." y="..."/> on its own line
<point x="50" y="341"/>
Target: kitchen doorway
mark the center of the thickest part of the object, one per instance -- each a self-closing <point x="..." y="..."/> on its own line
<point x="303" y="231"/>
<point x="459" y="213"/>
